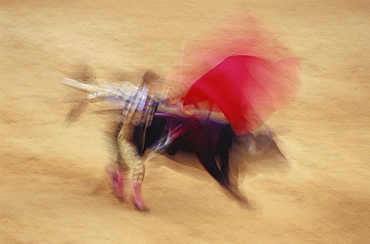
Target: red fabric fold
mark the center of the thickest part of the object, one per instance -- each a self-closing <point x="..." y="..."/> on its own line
<point x="246" y="89"/>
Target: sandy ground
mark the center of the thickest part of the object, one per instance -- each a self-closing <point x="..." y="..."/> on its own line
<point x="53" y="186"/>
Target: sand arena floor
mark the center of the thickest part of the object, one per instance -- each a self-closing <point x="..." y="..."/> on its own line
<point x="52" y="182"/>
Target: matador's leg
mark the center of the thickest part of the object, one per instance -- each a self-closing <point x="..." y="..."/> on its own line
<point x="118" y="174"/>
<point x="134" y="162"/>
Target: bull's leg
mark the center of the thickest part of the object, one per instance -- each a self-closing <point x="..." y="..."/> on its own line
<point x="224" y="159"/>
<point x="224" y="142"/>
<point x="208" y="161"/>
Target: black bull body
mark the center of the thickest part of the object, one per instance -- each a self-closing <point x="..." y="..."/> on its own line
<point x="206" y="138"/>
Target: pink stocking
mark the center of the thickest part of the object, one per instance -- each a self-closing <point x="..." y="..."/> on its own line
<point x="117" y="184"/>
<point x="138" y="198"/>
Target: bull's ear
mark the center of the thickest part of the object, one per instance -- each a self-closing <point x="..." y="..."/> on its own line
<point x="149" y="76"/>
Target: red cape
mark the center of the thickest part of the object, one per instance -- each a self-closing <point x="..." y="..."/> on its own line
<point x="246" y="89"/>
